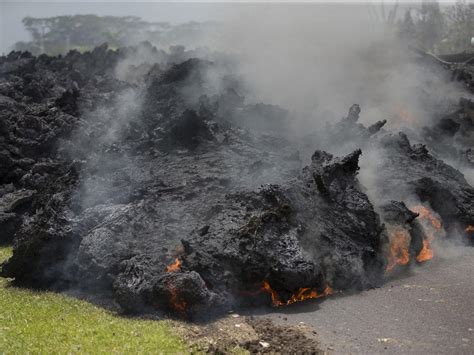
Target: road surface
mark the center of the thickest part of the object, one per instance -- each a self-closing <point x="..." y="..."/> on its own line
<point x="429" y="309"/>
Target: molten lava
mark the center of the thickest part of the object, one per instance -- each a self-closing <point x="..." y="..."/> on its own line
<point x="176" y="266"/>
<point x="426" y="253"/>
<point x="177" y="304"/>
<point x="400" y="239"/>
<point x="303" y="293"/>
<point x="425" y="213"/>
<point x="399" y="249"/>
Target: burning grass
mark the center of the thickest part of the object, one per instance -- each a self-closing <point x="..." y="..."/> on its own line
<point x="37" y="322"/>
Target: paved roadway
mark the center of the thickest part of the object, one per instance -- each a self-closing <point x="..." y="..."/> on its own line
<point x="429" y="309"/>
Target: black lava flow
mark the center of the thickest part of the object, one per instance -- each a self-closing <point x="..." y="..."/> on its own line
<point x="164" y="198"/>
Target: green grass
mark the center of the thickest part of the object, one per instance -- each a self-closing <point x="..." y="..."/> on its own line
<point x="46" y="322"/>
<point x="5" y="253"/>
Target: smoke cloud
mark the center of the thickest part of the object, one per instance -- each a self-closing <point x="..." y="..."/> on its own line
<point x="317" y="60"/>
<point x="314" y="60"/>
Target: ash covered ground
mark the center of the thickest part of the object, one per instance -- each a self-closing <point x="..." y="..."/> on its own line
<point x="161" y="187"/>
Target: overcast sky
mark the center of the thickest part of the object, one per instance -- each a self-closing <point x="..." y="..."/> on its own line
<point x="178" y="11"/>
<point x="217" y="1"/>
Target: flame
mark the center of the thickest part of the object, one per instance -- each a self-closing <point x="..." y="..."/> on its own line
<point x="174" y="300"/>
<point x="469" y="229"/>
<point x="175" y="266"/>
<point x="303" y="293"/>
<point x="399" y="249"/>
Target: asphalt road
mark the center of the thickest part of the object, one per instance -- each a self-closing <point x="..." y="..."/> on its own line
<point x="429" y="309"/>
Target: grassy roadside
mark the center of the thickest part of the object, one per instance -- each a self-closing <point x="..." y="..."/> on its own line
<point x="45" y="322"/>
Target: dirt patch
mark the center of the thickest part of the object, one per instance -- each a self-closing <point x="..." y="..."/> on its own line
<point x="236" y="333"/>
<point x="301" y="339"/>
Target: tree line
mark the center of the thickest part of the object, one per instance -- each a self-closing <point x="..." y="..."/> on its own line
<point x="434" y="28"/>
<point x="437" y="29"/>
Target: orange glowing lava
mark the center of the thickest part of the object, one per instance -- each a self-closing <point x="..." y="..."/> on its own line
<point x="304" y="293"/>
<point x="426" y="253"/>
<point x="177" y="304"/>
<point x="176" y="266"/>
<point x="399" y="249"/>
<point x="425" y="213"/>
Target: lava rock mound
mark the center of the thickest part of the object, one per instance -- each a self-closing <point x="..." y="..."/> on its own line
<point x="164" y="193"/>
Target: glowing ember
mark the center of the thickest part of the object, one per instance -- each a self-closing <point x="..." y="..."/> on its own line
<point x="176" y="266"/>
<point x="469" y="229"/>
<point x="303" y="293"/>
<point x="399" y="249"/>
<point x="176" y="303"/>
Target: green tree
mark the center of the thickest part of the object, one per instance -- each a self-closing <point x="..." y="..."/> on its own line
<point x="60" y="34"/>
